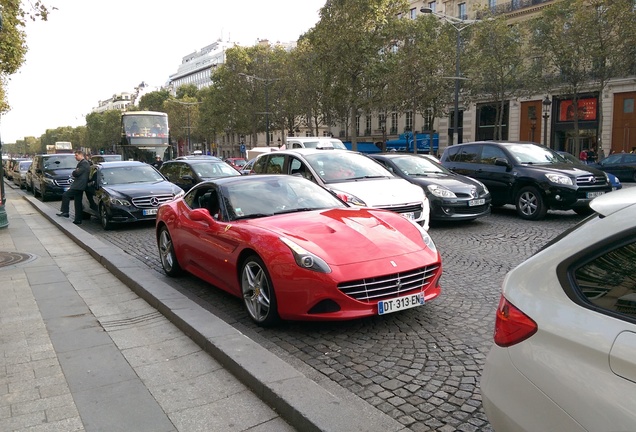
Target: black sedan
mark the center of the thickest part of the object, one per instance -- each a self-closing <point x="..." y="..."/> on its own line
<point x="451" y="196"/>
<point x="185" y="173"/>
<point x="622" y="165"/>
<point x="126" y="191"/>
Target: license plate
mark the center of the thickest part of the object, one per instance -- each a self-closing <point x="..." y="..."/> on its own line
<point x="476" y="202"/>
<point x="150" y="212"/>
<point x="594" y="194"/>
<point x="409" y="215"/>
<point x="400" y="303"/>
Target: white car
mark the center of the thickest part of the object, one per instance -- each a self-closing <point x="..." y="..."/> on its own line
<point x="564" y="357"/>
<point x="353" y="177"/>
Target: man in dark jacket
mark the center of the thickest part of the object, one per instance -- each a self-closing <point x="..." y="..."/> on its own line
<point x="78" y="186"/>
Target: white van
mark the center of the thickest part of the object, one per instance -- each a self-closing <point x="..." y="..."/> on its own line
<point x="314" y="142"/>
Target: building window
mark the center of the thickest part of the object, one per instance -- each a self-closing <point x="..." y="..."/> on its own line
<point x="432" y="6"/>
<point x="492" y="4"/>
<point x="413" y="13"/>
<point x="368" y="126"/>
<point x="428" y="120"/>
<point x="628" y="106"/>
<point x="394" y="122"/>
<point x="461" y="10"/>
<point x="409" y="121"/>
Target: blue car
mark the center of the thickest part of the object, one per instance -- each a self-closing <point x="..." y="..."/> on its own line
<point x="614" y="181"/>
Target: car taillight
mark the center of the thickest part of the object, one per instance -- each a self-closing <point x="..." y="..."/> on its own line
<point x="511" y="325"/>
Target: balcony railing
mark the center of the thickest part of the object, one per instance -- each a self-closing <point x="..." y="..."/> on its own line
<point x="510" y="6"/>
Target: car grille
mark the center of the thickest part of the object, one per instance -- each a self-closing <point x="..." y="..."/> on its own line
<point x="64" y="182"/>
<point x="412" y="208"/>
<point x="152" y="201"/>
<point x="396" y="284"/>
<point x="471" y="210"/>
<point x="591" y="180"/>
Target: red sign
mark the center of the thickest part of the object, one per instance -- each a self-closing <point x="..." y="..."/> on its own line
<point x="587" y="110"/>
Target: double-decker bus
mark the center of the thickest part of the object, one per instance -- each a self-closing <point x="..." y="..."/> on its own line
<point x="144" y="135"/>
<point x="63" y="147"/>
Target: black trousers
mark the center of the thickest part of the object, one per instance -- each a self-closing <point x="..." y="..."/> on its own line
<point x="76" y="196"/>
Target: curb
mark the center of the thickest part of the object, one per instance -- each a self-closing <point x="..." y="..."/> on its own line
<point x="299" y="400"/>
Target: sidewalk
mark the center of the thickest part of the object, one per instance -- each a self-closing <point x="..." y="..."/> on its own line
<point x="106" y="348"/>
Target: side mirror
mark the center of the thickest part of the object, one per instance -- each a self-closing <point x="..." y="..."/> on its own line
<point x="502" y="162"/>
<point x="202" y="215"/>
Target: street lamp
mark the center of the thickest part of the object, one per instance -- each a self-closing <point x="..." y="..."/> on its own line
<point x="383" y="128"/>
<point x="546" y="114"/>
<point x="459" y="25"/>
<point x="267" y="82"/>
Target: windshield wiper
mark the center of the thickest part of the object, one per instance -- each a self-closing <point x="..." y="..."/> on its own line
<point x="368" y="177"/>
<point x="254" y="216"/>
<point x="296" y="210"/>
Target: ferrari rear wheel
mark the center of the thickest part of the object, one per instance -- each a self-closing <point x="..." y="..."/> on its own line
<point x="166" y="253"/>
<point x="258" y="292"/>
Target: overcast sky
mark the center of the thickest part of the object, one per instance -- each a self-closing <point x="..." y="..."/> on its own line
<point x="89" y="50"/>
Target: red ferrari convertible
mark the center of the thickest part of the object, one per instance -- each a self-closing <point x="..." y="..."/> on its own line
<point x="292" y="250"/>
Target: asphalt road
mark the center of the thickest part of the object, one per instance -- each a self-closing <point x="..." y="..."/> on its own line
<point x="421" y="366"/>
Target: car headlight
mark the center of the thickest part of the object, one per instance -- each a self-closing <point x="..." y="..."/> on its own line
<point x="428" y="241"/>
<point x="306" y="259"/>
<point x="559" y="179"/>
<point x="440" y="191"/>
<point x="48" y="181"/>
<point x="178" y="195"/>
<point x="349" y="198"/>
<point x="120" y="202"/>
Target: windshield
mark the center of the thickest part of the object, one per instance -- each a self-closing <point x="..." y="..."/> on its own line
<point x="130" y="174"/>
<point x="334" y="167"/>
<point x="267" y="196"/>
<point x="533" y="154"/>
<point x="148" y="125"/>
<point x="415" y="165"/>
<point x="214" y="169"/>
<point x="60" y="162"/>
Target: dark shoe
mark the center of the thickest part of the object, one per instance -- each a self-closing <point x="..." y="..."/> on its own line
<point x="62" y="214"/>
<point x="77" y="222"/>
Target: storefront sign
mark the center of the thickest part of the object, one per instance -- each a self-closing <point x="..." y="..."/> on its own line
<point x="587" y="110"/>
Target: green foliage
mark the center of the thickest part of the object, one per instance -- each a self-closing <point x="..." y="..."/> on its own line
<point x="13" y="46"/>
<point x="153" y="101"/>
<point x="103" y="130"/>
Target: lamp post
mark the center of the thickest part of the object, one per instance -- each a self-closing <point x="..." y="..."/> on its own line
<point x="383" y="128"/>
<point x="266" y="82"/>
<point x="546" y="114"/>
<point x="459" y="25"/>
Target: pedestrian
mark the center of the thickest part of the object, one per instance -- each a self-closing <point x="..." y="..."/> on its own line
<point x="591" y="156"/>
<point x="583" y="156"/>
<point x="158" y="162"/>
<point x="77" y="188"/>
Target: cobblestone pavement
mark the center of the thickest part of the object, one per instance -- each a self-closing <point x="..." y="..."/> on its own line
<point x="421" y="366"/>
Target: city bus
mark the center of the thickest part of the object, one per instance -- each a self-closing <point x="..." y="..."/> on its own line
<point x="144" y="135"/>
<point x="63" y="147"/>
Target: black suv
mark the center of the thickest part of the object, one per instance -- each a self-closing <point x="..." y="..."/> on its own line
<point x="530" y="176"/>
<point x="50" y="174"/>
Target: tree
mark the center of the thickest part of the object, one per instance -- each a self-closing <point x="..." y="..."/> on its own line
<point x="496" y="65"/>
<point x="13" y="46"/>
<point x="347" y="40"/>
<point x="103" y="130"/>
<point x="585" y="44"/>
<point x="153" y="101"/>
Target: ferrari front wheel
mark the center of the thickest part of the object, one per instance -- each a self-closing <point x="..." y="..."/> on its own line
<point x="258" y="292"/>
<point x="166" y="253"/>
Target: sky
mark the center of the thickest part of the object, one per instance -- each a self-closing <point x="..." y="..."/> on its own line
<point x="89" y="50"/>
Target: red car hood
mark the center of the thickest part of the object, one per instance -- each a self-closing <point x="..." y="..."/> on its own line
<point x="347" y="236"/>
